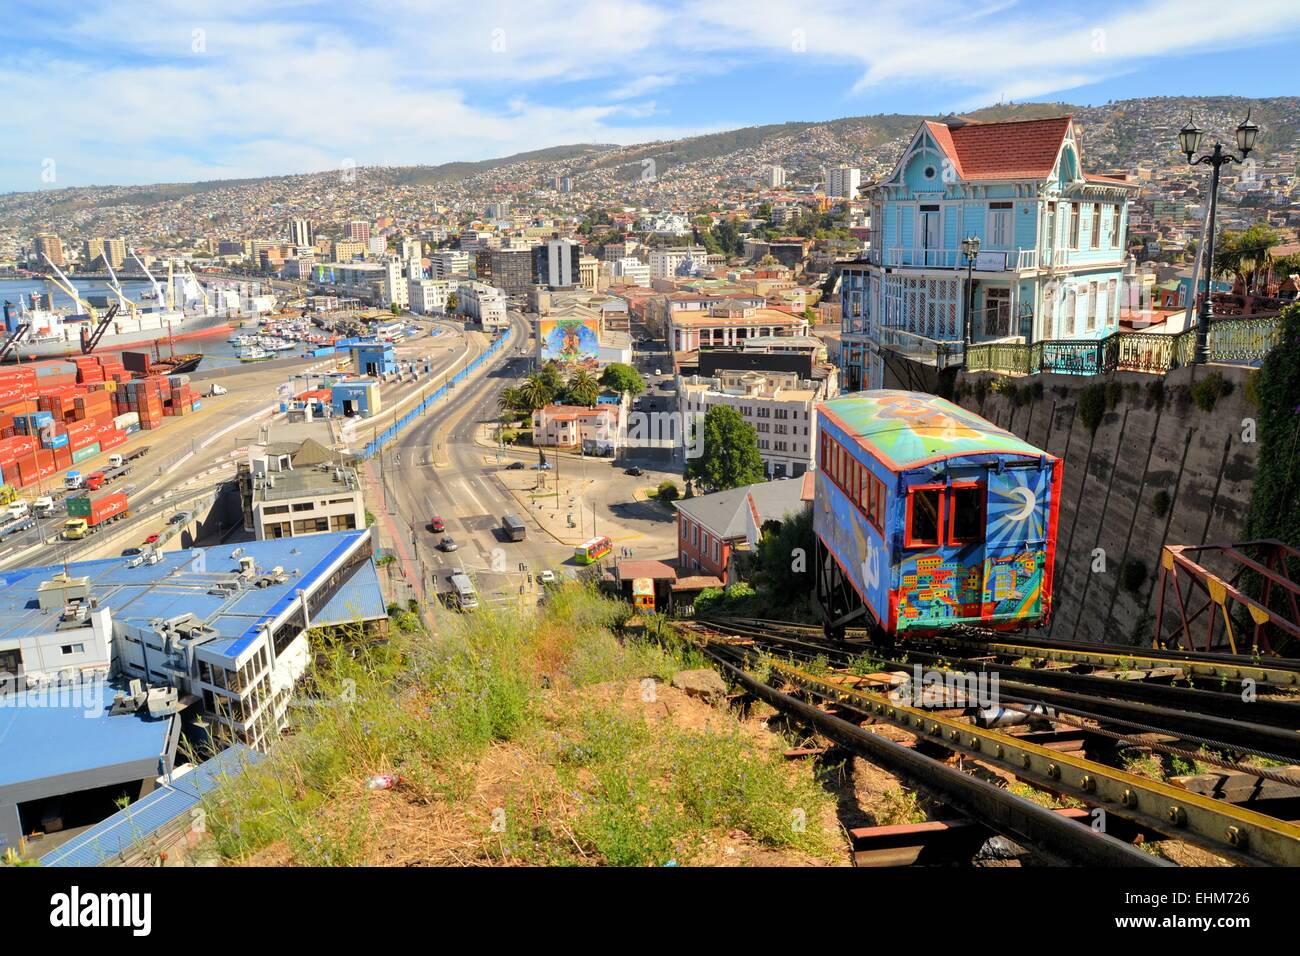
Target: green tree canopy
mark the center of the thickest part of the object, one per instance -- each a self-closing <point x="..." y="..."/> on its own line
<point x="623" y="378"/>
<point x="582" y="389"/>
<point x="729" y="456"/>
<point x="1275" y="494"/>
<point x="535" y="392"/>
<point x="1245" y="255"/>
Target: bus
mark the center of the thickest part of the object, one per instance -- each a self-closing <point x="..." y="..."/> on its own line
<point x="514" y="527"/>
<point x="463" y="592"/>
<point x="592" y="551"/>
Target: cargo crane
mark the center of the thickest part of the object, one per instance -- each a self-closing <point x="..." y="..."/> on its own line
<point x="13" y="338"/>
<point x="157" y="289"/>
<point x="207" y="306"/>
<point x="122" y="299"/>
<point x="67" y="288"/>
<point x="89" y="340"/>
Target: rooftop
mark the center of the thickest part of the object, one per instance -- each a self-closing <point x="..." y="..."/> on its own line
<point x="1020" y="149"/>
<point x="907" y="429"/>
<point x="183" y="582"/>
<point x="307" y="482"/>
<point x="724" y="512"/>
<point x="52" y="731"/>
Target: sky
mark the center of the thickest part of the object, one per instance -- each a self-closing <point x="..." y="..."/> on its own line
<point x="127" y="92"/>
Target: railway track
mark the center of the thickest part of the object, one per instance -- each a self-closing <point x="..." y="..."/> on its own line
<point x="1275" y="672"/>
<point x="824" y="672"/>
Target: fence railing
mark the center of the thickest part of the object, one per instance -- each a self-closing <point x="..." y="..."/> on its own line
<point x="391" y="432"/>
<point x="1240" y="341"/>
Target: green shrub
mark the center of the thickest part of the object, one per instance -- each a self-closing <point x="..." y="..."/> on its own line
<point x="1092" y="406"/>
<point x="667" y="491"/>
<point x="1207" y="391"/>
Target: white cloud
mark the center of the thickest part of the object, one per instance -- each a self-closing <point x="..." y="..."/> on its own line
<point x="123" y="91"/>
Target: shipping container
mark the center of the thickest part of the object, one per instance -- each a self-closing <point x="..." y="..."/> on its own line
<point x="81" y="454"/>
<point x="98" y="506"/>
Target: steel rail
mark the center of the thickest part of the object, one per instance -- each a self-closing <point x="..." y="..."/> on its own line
<point x="1018" y="819"/>
<point x="1280" y="672"/>
<point x="1235" y="833"/>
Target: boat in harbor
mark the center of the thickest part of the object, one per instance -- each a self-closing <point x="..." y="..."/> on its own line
<point x="254" y="353"/>
<point x="185" y="309"/>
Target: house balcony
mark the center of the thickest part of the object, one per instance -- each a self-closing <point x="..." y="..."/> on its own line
<point x="988" y="260"/>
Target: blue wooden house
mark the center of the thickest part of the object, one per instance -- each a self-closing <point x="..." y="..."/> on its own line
<point x="1051" y="251"/>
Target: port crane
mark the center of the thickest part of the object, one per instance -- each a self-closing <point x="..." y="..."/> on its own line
<point x="89" y="340"/>
<point x="157" y="289"/>
<point x="11" y="341"/>
<point x="122" y="299"/>
<point x="67" y="288"/>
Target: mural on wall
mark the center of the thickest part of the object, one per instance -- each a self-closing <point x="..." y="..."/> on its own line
<point x="938" y="588"/>
<point x="573" y="342"/>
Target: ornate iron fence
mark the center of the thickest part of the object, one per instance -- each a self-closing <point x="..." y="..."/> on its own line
<point x="1231" y="340"/>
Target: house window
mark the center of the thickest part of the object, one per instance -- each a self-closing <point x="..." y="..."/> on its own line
<point x="1096" y="225"/>
<point x="1114" y="230"/>
<point x="966" y="514"/>
<point x="73" y="649"/>
<point x="997" y="313"/>
<point x="1074" y="225"/>
<point x="1068" y="307"/>
<point x="924" y="517"/>
<point x="1092" y="306"/>
<point x="999" y="224"/>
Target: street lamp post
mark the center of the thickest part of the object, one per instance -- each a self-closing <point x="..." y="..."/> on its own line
<point x="970" y="249"/>
<point x="1189" y="138"/>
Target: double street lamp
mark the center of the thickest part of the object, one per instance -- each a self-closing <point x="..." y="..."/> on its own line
<point x="970" y="249"/>
<point x="1189" y="139"/>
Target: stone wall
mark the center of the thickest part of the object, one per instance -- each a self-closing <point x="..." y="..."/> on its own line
<point x="1152" y="440"/>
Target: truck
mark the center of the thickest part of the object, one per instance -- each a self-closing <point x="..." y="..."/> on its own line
<point x="117" y="461"/>
<point x="97" y="479"/>
<point x="7" y="494"/>
<point x="43" y="506"/>
<point x="89" y="512"/>
<point x="514" y="527"/>
<point x="72" y="480"/>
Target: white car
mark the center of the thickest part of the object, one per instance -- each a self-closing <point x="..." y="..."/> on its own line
<point x="546" y="577"/>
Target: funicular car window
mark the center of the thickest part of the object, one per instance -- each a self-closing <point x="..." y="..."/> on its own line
<point x="924" y="517"/>
<point x="965" y="514"/>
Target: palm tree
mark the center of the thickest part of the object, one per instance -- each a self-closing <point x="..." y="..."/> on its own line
<point x="510" y="402"/>
<point x="583" y="388"/>
<point x="535" y="392"/>
<point x="1245" y="255"/>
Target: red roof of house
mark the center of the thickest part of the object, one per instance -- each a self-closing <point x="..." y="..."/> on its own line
<point x="1022" y="149"/>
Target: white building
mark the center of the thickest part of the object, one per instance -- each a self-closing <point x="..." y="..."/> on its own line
<point x="484" y="304"/>
<point x="450" y="264"/>
<point x="561" y="263"/>
<point x="632" y="270"/>
<point x="843" y="182"/>
<point x="429" y="296"/>
<point x="680" y="261"/>
<point x="395" y="288"/>
<point x="775" y="177"/>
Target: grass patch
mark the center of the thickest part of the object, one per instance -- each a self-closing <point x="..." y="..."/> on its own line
<point x="593" y="778"/>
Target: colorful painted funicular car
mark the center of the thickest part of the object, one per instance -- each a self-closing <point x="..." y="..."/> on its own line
<point x="929" y="517"/>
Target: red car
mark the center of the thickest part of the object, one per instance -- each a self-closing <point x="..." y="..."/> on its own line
<point x="152" y="539"/>
<point x="437" y="526"/>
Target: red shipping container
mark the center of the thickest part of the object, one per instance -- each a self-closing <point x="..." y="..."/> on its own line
<point x="62" y="458"/>
<point x="111" y="439"/>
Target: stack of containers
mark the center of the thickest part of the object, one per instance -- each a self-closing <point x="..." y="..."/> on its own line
<point x="144" y="397"/>
<point x="182" y="398"/>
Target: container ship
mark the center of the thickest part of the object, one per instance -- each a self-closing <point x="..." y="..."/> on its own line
<point x="185" y="309"/>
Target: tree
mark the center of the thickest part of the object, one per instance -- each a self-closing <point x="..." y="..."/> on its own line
<point x="550" y="375"/>
<point x="452" y="302"/>
<point x="729" y="457"/>
<point x="395" y="309"/>
<point x="1245" y="255"/>
<point x="535" y="392"/>
<point x="511" y="403"/>
<point x="623" y="378"/>
<point x="785" y="555"/>
<point x="583" y="388"/>
<point x="1274" y="512"/>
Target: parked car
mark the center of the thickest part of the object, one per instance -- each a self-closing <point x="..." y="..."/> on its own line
<point x="448" y="544"/>
<point x="635" y="471"/>
<point x="132" y="552"/>
<point x="515" y="466"/>
<point x="180" y="517"/>
<point x="546" y="577"/>
<point x="542" y="466"/>
<point x="437" y="526"/>
<point x="153" y="539"/>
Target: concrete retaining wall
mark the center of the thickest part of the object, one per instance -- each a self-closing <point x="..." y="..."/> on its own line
<point x="1143" y="446"/>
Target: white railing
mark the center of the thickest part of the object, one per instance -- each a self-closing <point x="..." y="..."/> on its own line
<point x="1027" y="259"/>
<point x="924" y="258"/>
